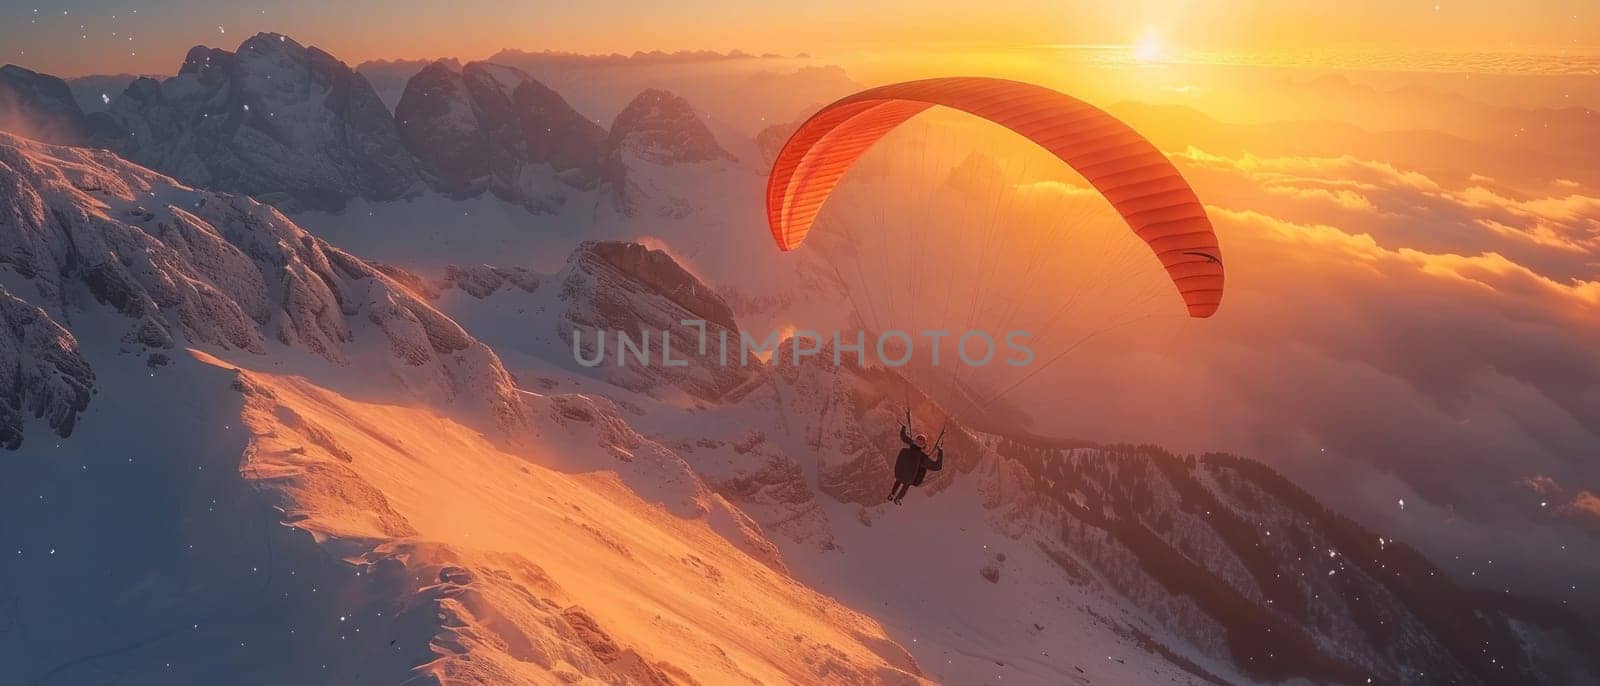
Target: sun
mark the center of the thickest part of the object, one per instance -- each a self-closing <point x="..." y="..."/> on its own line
<point x="1150" y="48"/>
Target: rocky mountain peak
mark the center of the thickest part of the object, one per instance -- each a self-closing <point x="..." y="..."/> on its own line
<point x="489" y="126"/>
<point x="441" y="124"/>
<point x="269" y="42"/>
<point x="288" y="124"/>
<point x="551" y="132"/>
<point x="39" y="106"/>
<point x="663" y="128"/>
<point x="202" y="60"/>
<point x="554" y="132"/>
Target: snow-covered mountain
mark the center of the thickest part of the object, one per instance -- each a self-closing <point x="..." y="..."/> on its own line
<point x="662" y="128"/>
<point x="656" y="131"/>
<point x="183" y="265"/>
<point x="40" y="106"/>
<point x="294" y="127"/>
<point x="486" y="126"/>
<point x="240" y="451"/>
<point x="491" y="127"/>
<point x="288" y="124"/>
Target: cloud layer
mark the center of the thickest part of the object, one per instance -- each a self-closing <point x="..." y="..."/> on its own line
<point x="1387" y="335"/>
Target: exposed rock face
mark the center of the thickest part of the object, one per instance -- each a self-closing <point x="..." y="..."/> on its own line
<point x="442" y="126"/>
<point x="389" y="77"/>
<point x="553" y="132"/>
<point x="654" y="133"/>
<point x="662" y="128"/>
<point x="40" y="106"/>
<point x="770" y="140"/>
<point x="492" y="127"/>
<point x="290" y="125"/>
<point x="481" y="281"/>
<point x="613" y="289"/>
<point x="663" y="276"/>
<point x="41" y="371"/>
<point x="174" y="266"/>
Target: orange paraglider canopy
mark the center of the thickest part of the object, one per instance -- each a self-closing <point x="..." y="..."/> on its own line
<point x="1140" y="183"/>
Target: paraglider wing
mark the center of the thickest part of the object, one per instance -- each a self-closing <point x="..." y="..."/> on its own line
<point x="1140" y="183"/>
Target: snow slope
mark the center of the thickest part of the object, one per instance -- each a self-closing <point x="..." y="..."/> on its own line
<point x="290" y="468"/>
<point x="1029" y="560"/>
<point x="559" y="566"/>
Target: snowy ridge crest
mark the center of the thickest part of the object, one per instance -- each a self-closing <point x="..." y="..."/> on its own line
<point x="188" y="267"/>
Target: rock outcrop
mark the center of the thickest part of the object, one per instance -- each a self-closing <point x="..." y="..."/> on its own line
<point x="42" y="373"/>
<point x="491" y="127"/>
<point x="172" y="266"/>
<point x="290" y="125"/>
<point x="612" y="290"/>
<point x="652" y="137"/>
<point x="663" y="128"/>
<point x="40" y="106"/>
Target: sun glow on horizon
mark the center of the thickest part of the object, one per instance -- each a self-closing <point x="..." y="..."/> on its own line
<point x="1151" y="48"/>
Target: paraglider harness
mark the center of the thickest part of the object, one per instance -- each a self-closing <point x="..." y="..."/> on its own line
<point x="932" y="450"/>
<point x="914" y="462"/>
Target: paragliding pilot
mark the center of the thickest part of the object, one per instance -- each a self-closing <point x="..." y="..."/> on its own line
<point x="913" y="462"/>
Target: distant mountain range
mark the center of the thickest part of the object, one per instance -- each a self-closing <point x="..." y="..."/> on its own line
<point x="295" y="127"/>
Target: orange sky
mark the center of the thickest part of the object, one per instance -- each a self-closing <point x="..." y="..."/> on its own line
<point x="110" y="36"/>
